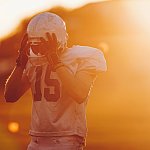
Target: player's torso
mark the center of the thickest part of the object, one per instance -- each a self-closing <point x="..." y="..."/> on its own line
<point x="54" y="110"/>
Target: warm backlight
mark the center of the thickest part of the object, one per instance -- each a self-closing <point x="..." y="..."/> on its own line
<point x="11" y="14"/>
<point x="13" y="127"/>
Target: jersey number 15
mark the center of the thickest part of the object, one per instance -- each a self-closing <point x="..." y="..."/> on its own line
<point x="51" y="97"/>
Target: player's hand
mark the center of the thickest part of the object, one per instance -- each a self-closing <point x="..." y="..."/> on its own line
<point x="51" y="49"/>
<point x="51" y="45"/>
<point x="22" y="56"/>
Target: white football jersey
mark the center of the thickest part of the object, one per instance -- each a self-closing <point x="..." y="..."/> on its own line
<point x="54" y="112"/>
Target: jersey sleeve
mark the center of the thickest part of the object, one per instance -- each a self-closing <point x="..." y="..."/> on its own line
<point x="94" y="63"/>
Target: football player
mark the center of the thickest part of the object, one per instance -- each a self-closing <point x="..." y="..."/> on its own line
<point x="60" y="79"/>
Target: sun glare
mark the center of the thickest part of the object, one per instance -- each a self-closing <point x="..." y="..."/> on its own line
<point x="12" y="12"/>
<point x="139" y="11"/>
<point x="13" y="127"/>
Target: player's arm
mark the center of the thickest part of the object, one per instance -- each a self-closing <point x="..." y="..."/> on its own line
<point x="77" y="86"/>
<point x="18" y="83"/>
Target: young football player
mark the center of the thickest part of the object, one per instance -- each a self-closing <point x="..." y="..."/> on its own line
<point x="60" y="79"/>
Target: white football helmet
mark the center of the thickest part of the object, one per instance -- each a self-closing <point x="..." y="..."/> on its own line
<point x="42" y="23"/>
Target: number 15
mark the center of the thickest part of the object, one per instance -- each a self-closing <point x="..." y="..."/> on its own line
<point x="49" y="82"/>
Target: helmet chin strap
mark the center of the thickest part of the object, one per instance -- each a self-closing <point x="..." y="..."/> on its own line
<point x="36" y="60"/>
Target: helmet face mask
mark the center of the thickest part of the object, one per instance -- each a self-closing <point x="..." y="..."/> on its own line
<point x="37" y="49"/>
<point x="36" y="46"/>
